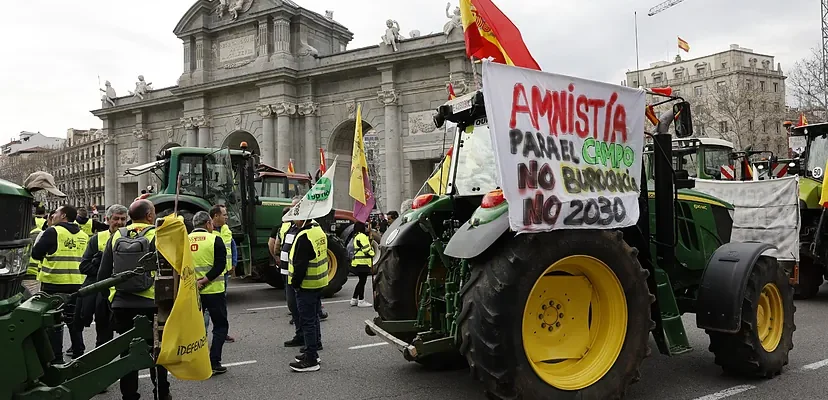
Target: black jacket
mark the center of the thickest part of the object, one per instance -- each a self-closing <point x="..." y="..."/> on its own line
<point x="89" y="266"/>
<point x="302" y="255"/>
<point x="122" y="299"/>
<point x="48" y="245"/>
<point x="97" y="226"/>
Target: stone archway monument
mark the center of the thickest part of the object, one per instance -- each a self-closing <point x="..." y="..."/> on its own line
<point x="283" y="75"/>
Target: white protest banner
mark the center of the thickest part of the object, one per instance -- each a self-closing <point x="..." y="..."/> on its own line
<point x="568" y="149"/>
<point x="318" y="201"/>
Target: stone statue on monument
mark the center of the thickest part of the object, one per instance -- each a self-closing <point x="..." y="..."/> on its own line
<point x="108" y="94"/>
<point x="455" y="20"/>
<point x="234" y="7"/>
<point x="392" y="35"/>
<point x="141" y="88"/>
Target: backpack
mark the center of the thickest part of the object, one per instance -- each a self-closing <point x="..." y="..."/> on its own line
<point x="350" y="248"/>
<point x="126" y="252"/>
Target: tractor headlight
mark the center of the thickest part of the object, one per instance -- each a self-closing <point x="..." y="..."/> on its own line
<point x="14" y="261"/>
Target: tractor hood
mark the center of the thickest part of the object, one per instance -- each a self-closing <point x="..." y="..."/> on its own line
<point x="809" y="192"/>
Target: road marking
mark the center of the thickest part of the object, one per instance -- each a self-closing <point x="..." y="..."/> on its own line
<point x="365" y="346"/>
<point x="285" y="306"/>
<point x="816" y="365"/>
<point x="726" y="393"/>
<point x="235" y="364"/>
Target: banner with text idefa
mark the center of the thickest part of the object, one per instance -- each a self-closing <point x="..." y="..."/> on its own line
<point x="568" y="149"/>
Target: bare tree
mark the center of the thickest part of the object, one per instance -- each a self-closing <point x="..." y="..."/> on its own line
<point x="806" y="82"/>
<point x="746" y="115"/>
<point x="18" y="166"/>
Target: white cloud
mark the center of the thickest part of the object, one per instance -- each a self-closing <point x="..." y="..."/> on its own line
<point x="54" y="51"/>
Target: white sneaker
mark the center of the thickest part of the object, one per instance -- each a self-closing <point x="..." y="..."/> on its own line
<point x="363" y="303"/>
<point x="353" y="302"/>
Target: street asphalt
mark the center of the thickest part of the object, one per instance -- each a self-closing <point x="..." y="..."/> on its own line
<point x="357" y="366"/>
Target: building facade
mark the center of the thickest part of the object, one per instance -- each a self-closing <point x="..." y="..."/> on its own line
<point x="78" y="168"/>
<point x="280" y="77"/>
<point x="736" y="95"/>
<point x="29" y="140"/>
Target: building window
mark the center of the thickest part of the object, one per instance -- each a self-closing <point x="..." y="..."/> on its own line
<point x="720" y="86"/>
<point x="776" y="106"/>
<point x="750" y="104"/>
<point x="697" y="90"/>
<point x="750" y="124"/>
<point x="776" y="86"/>
<point x="764" y="126"/>
<point x="677" y="93"/>
<point x="635" y="84"/>
<point x="762" y="106"/>
<point x="762" y="85"/>
<point x="722" y="126"/>
<point x="700" y="70"/>
<point x="749" y="84"/>
<point x="657" y="79"/>
<point x="777" y="128"/>
<point x="724" y="65"/>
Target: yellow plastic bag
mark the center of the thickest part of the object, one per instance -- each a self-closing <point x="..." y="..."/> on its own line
<point x="184" y="350"/>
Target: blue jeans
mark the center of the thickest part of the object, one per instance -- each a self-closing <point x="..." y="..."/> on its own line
<point x="216" y="305"/>
<point x="309" y="304"/>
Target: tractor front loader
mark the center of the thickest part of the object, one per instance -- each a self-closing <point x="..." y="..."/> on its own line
<point x="567" y="314"/>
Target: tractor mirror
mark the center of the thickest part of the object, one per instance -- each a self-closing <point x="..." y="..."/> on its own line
<point x="683" y="119"/>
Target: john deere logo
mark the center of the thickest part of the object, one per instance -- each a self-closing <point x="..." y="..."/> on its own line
<point x="321" y="190"/>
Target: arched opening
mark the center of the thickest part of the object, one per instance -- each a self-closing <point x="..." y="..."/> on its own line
<point x="168" y="146"/>
<point x="341" y="144"/>
<point x="234" y="140"/>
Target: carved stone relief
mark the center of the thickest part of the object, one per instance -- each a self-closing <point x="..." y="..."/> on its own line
<point x="421" y="122"/>
<point x="387" y="97"/>
<point x="128" y="156"/>
<point x="308" y="108"/>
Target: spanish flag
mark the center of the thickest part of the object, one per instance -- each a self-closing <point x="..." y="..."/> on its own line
<point x="683" y="45"/>
<point x="489" y="33"/>
<point x="439" y="179"/>
<point x="322" y="165"/>
<point x="290" y="167"/>
<point x="451" y="92"/>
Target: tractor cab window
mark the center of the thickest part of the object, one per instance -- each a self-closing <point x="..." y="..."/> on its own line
<point x="191" y="169"/>
<point x="715" y="158"/>
<point x="817" y="155"/>
<point x="297" y="187"/>
<point x="685" y="162"/>
<point x="475" y="172"/>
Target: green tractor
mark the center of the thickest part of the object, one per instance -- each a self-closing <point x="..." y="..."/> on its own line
<point x="567" y="314"/>
<point x="702" y="158"/>
<point x="813" y="265"/>
<point x="26" y="371"/>
<point x="254" y="195"/>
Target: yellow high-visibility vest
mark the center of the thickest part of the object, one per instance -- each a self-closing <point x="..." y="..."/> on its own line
<point x="317" y="275"/>
<point x="103" y="237"/>
<point x="362" y="257"/>
<point x="34" y="265"/>
<point x="203" y="247"/>
<point x="63" y="266"/>
<point x="227" y="237"/>
<point x="87" y="227"/>
<point x="39" y="221"/>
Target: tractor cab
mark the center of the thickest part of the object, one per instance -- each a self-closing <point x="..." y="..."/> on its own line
<point x="273" y="182"/>
<point x="701" y="158"/>
<point x="816" y="149"/>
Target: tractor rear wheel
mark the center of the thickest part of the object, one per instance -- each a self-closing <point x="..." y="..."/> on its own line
<point x="810" y="279"/>
<point x="760" y="348"/>
<point x="560" y="315"/>
<point x="338" y="266"/>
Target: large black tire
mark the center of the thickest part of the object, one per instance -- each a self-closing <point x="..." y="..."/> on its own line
<point x="339" y="257"/>
<point x="493" y="310"/>
<point x="271" y="275"/>
<point x="742" y="353"/>
<point x="810" y="279"/>
<point x="396" y="297"/>
<point x="187" y="214"/>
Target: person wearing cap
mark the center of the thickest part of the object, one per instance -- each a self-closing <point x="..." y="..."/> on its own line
<point x="88" y="225"/>
<point x="60" y="250"/>
<point x="40" y="216"/>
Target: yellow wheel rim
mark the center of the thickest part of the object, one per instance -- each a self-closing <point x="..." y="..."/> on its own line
<point x="332" y="265"/>
<point x="574" y="322"/>
<point x="770" y="316"/>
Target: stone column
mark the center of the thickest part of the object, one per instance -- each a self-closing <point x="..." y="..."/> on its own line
<point x="203" y="125"/>
<point x="263" y="37"/>
<point x="268" y="135"/>
<point x="110" y="165"/>
<point x="281" y="36"/>
<point x="190" y="138"/>
<point x="284" y="146"/>
<point x="308" y="110"/>
<point x="188" y="66"/>
<point x="142" y="137"/>
<point x="393" y="150"/>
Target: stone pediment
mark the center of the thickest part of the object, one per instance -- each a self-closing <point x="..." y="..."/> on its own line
<point x="217" y="15"/>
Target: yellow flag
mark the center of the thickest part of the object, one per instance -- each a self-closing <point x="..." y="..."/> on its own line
<point x="358" y="161"/>
<point x="439" y="179"/>
<point x="824" y="197"/>
<point x="184" y="350"/>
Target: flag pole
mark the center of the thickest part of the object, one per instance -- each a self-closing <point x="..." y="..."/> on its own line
<point x="637" y="67"/>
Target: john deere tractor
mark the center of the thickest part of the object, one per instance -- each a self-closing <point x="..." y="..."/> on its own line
<point x="567" y="314"/>
<point x="254" y="197"/>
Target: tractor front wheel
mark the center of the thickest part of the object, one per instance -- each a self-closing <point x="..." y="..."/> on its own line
<point x="560" y="315"/>
<point x="338" y="266"/>
<point x="760" y="348"/>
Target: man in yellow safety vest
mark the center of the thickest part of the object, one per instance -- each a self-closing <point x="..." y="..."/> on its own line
<point x="210" y="261"/>
<point x="59" y="251"/>
<point x="89" y="225"/>
<point x="218" y="215"/>
<point x="126" y="305"/>
<point x="362" y="263"/>
<point x="308" y="275"/>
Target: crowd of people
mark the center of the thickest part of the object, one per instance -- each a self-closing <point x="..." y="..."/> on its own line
<point x="71" y="250"/>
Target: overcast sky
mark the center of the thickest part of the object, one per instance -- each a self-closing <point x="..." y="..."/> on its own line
<point x="55" y="51"/>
